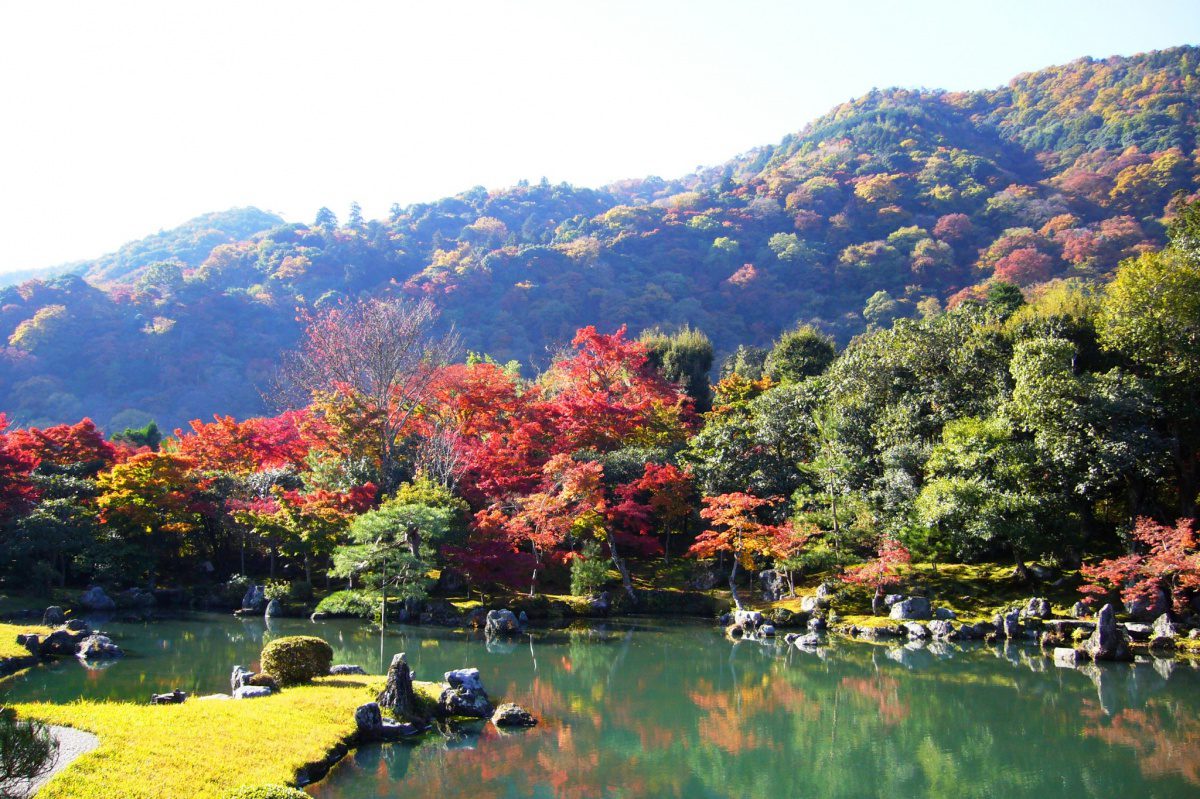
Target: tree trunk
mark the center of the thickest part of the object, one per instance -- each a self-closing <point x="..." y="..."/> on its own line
<point x="413" y="536"/>
<point x="877" y="601"/>
<point x="1020" y="571"/>
<point x="536" y="563"/>
<point x="620" y="564"/>
<point x="307" y="568"/>
<point x="737" y="603"/>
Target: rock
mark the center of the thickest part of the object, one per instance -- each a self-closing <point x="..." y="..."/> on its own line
<point x="1164" y="628"/>
<point x="346" y="668"/>
<point x="767" y="631"/>
<point x="397" y="694"/>
<point x="32" y="643"/>
<point x="1010" y="625"/>
<point x="944" y="614"/>
<point x="239" y="677"/>
<point x="1036" y="608"/>
<point x="816" y="624"/>
<point x="464" y="702"/>
<point x="78" y="626"/>
<point x="62" y="642"/>
<point x="974" y="632"/>
<point x="790" y="638"/>
<point x="450" y="583"/>
<point x="465" y="678"/>
<point x="368" y="719"/>
<point x="911" y="609"/>
<point x="748" y="620"/>
<point x="135" y="598"/>
<point x="810" y="604"/>
<point x="1108" y="640"/>
<point x="53" y="616"/>
<point x="704" y="580"/>
<point x="273" y="608"/>
<point x="98" y="645"/>
<point x="826" y="590"/>
<point x="318" y="615"/>
<point x="176" y="697"/>
<point x="254" y="600"/>
<point x="1041" y="573"/>
<point x="501" y="622"/>
<point x="600" y="604"/>
<point x="774" y="584"/>
<point x="251" y="692"/>
<point x="1068" y="657"/>
<point x="1080" y="610"/>
<point x="808" y="641"/>
<point x="941" y="629"/>
<point x="95" y="599"/>
<point x="510" y="715"/>
<point x="1149" y="609"/>
<point x="213" y="696"/>
<point x="1138" y="632"/>
<point x="916" y="630"/>
<point x="782" y="617"/>
<point x="1162" y="642"/>
<point x="892" y="599"/>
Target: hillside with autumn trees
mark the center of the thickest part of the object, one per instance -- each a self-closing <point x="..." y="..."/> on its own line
<point x="885" y="207"/>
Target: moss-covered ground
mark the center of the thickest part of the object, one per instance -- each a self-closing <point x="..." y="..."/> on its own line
<point x="9" y="648"/>
<point x="207" y="748"/>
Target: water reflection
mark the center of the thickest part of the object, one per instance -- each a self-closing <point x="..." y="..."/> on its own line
<point x="678" y="710"/>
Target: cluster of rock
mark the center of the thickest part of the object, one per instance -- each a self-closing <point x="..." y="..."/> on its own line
<point x="499" y="623"/>
<point x="463" y="697"/>
<point x="72" y="638"/>
<point x="246" y="684"/>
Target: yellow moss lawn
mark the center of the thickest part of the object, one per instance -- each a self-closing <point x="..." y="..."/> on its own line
<point x="203" y="748"/>
<point x="9" y="648"/>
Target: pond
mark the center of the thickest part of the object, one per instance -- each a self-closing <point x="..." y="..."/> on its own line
<point x="673" y="709"/>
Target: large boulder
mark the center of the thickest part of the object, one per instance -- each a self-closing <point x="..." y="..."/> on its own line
<point x="916" y="630"/>
<point x="273" y="608"/>
<point x="1108" y="641"/>
<point x="465" y="678"/>
<point x="346" y="668"/>
<point x="941" y="629"/>
<point x="1010" y="625"/>
<point x="826" y="590"/>
<point x="501" y="622"/>
<point x="32" y="643"/>
<point x="465" y="696"/>
<point x="96" y="600"/>
<point x="774" y="584"/>
<point x="510" y="715"/>
<point x="98" y="646"/>
<point x="914" y="608"/>
<point x="1080" y="610"/>
<point x="397" y="694"/>
<point x="62" y="642"/>
<point x="251" y="692"/>
<point x="1163" y="633"/>
<point x="53" y="616"/>
<point x="1036" y="608"/>
<point x="747" y="621"/>
<point x="239" y="677"/>
<point x="368" y="719"/>
<point x="254" y="600"/>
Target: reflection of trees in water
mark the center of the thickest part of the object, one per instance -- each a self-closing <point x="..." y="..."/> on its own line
<point x="1164" y="735"/>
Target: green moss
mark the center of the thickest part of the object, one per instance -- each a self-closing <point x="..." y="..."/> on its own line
<point x="204" y="748"/>
<point x="9" y="648"/>
<point x="267" y="792"/>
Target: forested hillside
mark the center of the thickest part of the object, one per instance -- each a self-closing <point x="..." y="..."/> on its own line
<point x="887" y="206"/>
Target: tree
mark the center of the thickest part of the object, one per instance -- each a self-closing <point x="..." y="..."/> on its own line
<point x="325" y="219"/>
<point x="1150" y="314"/>
<point x="880" y="572"/>
<point x="148" y="436"/>
<point x="372" y="365"/>
<point x="1165" y="560"/>
<point x="735" y="528"/>
<point x="355" y="219"/>
<point x="799" y="353"/>
<point x="17" y="494"/>
<point x="27" y="751"/>
<point x="684" y="358"/>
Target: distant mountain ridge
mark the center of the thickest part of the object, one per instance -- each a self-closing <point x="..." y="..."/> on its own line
<point x="885" y="206"/>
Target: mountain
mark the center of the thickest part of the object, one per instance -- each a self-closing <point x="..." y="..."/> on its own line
<point x="884" y="206"/>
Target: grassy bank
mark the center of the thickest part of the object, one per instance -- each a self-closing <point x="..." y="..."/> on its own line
<point x="9" y="648"/>
<point x="205" y="748"/>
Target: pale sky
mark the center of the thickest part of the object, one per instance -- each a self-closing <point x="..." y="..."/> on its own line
<point x="122" y="118"/>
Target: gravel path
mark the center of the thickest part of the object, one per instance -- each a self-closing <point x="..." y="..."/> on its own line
<point x="71" y="744"/>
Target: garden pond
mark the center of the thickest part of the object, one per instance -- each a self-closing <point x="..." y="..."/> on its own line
<point x="654" y="708"/>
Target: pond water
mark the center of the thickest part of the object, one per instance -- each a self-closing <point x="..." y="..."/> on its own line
<point x="672" y="709"/>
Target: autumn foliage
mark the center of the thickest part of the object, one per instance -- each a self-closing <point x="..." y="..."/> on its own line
<point x="1165" y="559"/>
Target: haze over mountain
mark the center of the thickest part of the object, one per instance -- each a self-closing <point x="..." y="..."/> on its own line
<point x="888" y="203"/>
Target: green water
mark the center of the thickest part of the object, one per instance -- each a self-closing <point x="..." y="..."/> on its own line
<point x="675" y="710"/>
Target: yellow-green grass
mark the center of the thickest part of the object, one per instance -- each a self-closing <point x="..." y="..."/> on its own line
<point x="9" y="648"/>
<point x="206" y="748"/>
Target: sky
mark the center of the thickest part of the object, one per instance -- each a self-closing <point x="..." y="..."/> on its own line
<point x="124" y="118"/>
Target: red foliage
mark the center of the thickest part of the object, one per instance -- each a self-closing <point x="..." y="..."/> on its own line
<point x="883" y="570"/>
<point x="1166" y="560"/>
<point x="226" y="444"/>
<point x="735" y="527"/>
<point x="1025" y="266"/>
<point x="16" y="493"/>
<point x="953" y="227"/>
<point x="64" y="445"/>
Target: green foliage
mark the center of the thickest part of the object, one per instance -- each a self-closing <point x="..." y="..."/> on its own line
<point x="27" y="750"/>
<point x="296" y="659"/>
<point x="800" y="353"/>
<point x="349" y="603"/>
<point x="589" y="570"/>
<point x="267" y="792"/>
<point x="685" y="358"/>
<point x="277" y="589"/>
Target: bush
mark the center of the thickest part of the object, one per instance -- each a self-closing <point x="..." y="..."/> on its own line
<point x="276" y="589"/>
<point x="589" y="571"/>
<point x="296" y="659"/>
<point x="349" y="603"/>
<point x="267" y="792"/>
<point x="26" y="751"/>
<point x="264" y="680"/>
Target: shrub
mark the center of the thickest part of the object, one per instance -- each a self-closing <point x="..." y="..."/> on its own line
<point x="26" y="751"/>
<point x="589" y="571"/>
<point x="349" y="603"/>
<point x="296" y="659"/>
<point x="276" y="589"/>
<point x="267" y="792"/>
<point x="264" y="680"/>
